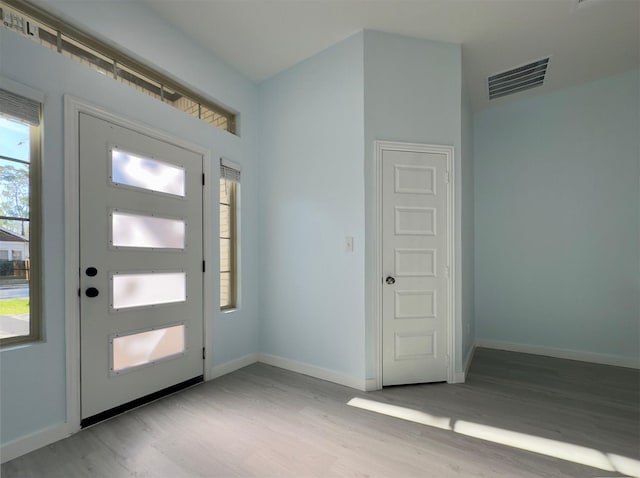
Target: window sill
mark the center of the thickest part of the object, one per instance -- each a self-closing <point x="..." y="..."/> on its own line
<point x="19" y="345"/>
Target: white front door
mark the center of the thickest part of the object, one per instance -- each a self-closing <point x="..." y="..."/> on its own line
<point x="415" y="265"/>
<point x="141" y="316"/>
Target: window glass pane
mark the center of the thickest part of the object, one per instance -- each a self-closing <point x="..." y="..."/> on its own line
<point x="145" y="347"/>
<point x="14" y="139"/>
<point x="213" y="118"/>
<point x="187" y="105"/>
<point x="47" y="37"/>
<point x="15" y="310"/>
<point x="136" y="290"/>
<point x="86" y="55"/>
<point x="146" y="173"/>
<point x="169" y="96"/>
<point x="14" y="193"/>
<point x="139" y="81"/>
<point x="225" y="255"/>
<point x="225" y="221"/>
<point x="225" y="191"/>
<point x="228" y="280"/>
<point x="225" y="289"/>
<point x="132" y="230"/>
<point x="14" y="281"/>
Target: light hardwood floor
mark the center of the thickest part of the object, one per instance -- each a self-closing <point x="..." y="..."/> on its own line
<point x="263" y="421"/>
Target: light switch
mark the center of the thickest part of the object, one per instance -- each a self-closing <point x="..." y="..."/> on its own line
<point x="348" y="244"/>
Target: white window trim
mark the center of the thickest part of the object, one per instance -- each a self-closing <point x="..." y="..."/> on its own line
<point x="238" y="262"/>
<point x="22" y="90"/>
<point x="35" y="216"/>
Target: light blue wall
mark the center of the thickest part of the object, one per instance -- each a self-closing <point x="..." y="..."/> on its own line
<point x="320" y="119"/>
<point x="412" y="94"/>
<point x="32" y="377"/>
<point x="311" y="198"/>
<point x="557" y="219"/>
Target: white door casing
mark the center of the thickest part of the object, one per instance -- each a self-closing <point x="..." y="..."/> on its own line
<point x="112" y="371"/>
<point x="415" y="201"/>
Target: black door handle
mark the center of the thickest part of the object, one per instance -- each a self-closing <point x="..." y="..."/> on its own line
<point x="390" y="280"/>
<point x="92" y="292"/>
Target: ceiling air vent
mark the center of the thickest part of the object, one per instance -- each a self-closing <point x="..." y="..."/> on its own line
<point x="518" y="79"/>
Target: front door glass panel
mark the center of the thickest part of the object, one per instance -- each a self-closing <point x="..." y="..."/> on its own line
<point x="146" y="173"/>
<point x="143" y="348"/>
<point x="134" y="230"/>
<point x="155" y="288"/>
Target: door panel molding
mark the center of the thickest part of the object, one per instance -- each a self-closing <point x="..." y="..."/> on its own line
<point x="72" y="108"/>
<point x="380" y="147"/>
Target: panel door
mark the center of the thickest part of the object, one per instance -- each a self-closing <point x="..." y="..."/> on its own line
<point x="415" y="267"/>
<point x="141" y="316"/>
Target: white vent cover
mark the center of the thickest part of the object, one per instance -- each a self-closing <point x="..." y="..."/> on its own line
<point x="518" y="79"/>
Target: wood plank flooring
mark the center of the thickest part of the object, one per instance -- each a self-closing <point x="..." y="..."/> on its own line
<point x="262" y="421"/>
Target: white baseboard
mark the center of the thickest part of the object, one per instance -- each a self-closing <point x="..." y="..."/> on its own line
<point x="33" y="441"/>
<point x="461" y="377"/>
<point x="47" y="436"/>
<point x="317" y="372"/>
<point x="231" y="366"/>
<point x="581" y="356"/>
<point x="469" y="358"/>
<point x="371" y="384"/>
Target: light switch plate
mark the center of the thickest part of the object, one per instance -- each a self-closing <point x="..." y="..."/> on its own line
<point x="348" y="244"/>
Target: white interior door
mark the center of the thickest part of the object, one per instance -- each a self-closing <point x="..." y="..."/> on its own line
<point x="415" y="267"/>
<point x="141" y="312"/>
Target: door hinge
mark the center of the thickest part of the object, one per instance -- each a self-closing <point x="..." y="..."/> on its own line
<point x="203" y="266"/>
<point x="203" y="353"/>
<point x="203" y="179"/>
<point x="79" y="293"/>
<point x="447" y="271"/>
<point x="446" y="177"/>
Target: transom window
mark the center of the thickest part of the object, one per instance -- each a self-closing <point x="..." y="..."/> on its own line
<point x="52" y="32"/>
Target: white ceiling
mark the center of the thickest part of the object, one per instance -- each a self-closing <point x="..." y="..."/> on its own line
<point x="263" y="37"/>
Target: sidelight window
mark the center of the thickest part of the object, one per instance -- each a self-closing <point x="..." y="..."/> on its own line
<point x="229" y="199"/>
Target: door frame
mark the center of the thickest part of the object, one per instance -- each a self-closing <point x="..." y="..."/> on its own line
<point x="72" y="108"/>
<point x="448" y="151"/>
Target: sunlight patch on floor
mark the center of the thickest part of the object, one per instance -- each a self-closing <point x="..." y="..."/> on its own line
<point x="523" y="441"/>
<point x="402" y="412"/>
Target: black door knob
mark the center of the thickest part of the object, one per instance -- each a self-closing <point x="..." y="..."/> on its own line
<point x="390" y="280"/>
<point x="91" y="271"/>
<point x="92" y="292"/>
